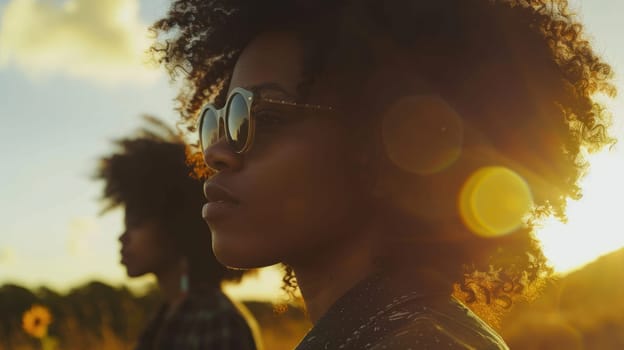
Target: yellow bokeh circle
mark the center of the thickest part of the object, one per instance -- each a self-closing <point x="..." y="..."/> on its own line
<point x="494" y="201"/>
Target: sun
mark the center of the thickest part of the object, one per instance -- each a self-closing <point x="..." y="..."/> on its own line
<point x="595" y="225"/>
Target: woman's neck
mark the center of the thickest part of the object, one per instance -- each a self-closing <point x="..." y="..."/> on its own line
<point x="335" y="270"/>
<point x="169" y="284"/>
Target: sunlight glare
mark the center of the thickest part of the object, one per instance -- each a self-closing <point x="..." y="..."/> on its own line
<point x="264" y="285"/>
<point x="594" y="226"/>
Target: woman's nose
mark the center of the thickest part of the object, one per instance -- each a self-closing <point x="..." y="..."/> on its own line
<point x="123" y="238"/>
<point x="220" y="156"/>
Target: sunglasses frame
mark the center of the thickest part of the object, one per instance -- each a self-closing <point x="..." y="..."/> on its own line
<point x="250" y="97"/>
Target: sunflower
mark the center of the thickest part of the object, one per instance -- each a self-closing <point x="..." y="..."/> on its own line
<point x="36" y="320"/>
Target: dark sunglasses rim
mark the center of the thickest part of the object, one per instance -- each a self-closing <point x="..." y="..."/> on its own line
<point x="222" y="117"/>
<point x="249" y="97"/>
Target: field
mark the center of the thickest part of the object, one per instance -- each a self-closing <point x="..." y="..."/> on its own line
<point x="584" y="310"/>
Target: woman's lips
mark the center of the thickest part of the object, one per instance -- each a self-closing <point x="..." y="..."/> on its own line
<point x="217" y="193"/>
<point x="218" y="209"/>
<point x="220" y="201"/>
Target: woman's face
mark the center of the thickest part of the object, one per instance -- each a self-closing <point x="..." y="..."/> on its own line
<point x="145" y="247"/>
<point x="294" y="191"/>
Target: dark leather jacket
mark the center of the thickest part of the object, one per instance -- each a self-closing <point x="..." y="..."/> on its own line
<point x="385" y="313"/>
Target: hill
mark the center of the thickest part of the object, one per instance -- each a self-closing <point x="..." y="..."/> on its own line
<point x="582" y="310"/>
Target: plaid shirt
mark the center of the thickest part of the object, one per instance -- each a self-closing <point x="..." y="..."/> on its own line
<point x="206" y="321"/>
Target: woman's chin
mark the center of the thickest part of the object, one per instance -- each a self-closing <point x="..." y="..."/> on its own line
<point x="133" y="272"/>
<point x="240" y="258"/>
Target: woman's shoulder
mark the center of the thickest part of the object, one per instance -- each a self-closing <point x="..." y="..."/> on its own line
<point x="432" y="323"/>
<point x="407" y="322"/>
<point x="393" y="314"/>
<point x="212" y="318"/>
<point x="209" y="304"/>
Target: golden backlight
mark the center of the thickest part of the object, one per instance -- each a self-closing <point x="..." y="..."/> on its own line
<point x="595" y="223"/>
<point x="594" y="226"/>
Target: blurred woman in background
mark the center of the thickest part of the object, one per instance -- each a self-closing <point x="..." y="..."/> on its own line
<point x="395" y="154"/>
<point x="164" y="235"/>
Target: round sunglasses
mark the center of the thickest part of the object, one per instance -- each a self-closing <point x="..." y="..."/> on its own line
<point x="236" y="121"/>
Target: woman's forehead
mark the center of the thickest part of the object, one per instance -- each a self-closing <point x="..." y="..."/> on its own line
<point x="271" y="59"/>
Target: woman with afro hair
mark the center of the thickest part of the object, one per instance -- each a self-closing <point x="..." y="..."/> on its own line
<point x="148" y="176"/>
<point x="395" y="154"/>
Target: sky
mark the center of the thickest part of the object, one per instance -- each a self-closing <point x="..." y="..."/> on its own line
<point x="73" y="78"/>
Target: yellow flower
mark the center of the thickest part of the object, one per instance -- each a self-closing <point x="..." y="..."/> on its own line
<point x="36" y="321"/>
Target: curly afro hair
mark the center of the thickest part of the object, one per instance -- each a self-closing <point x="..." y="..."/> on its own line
<point x="520" y="71"/>
<point x="148" y="175"/>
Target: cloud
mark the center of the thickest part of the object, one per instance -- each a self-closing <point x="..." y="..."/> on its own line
<point x="7" y="256"/>
<point x="82" y="237"/>
<point x="102" y="40"/>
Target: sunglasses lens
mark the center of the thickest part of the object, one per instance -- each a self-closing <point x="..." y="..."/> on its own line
<point x="209" y="129"/>
<point x="238" y="121"/>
